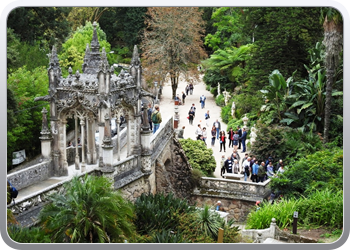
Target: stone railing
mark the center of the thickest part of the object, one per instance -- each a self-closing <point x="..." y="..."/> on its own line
<point x="273" y="232"/>
<point x="240" y="190"/>
<point x="161" y="137"/>
<point x="125" y="165"/>
<point x="27" y="208"/>
<point x="29" y="176"/>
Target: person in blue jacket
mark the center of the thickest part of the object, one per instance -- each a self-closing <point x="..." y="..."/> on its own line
<point x="243" y="138"/>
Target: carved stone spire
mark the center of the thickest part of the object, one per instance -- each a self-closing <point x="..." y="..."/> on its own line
<point x="54" y="58"/>
<point x="95" y="45"/>
<point x="135" y="57"/>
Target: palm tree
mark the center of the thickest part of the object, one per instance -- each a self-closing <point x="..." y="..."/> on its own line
<point x="333" y="40"/>
<point x="88" y="211"/>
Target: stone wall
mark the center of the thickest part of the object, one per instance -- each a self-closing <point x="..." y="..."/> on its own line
<point x="31" y="175"/>
<point x="236" y="209"/>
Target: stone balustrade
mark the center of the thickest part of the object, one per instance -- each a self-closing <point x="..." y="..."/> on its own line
<point x="161" y="137"/>
<point x="242" y="190"/>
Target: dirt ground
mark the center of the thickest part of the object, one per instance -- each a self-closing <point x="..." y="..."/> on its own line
<point x="321" y="234"/>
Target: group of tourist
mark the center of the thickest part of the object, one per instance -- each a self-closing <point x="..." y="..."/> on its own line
<point x="250" y="167"/>
<point x="154" y="117"/>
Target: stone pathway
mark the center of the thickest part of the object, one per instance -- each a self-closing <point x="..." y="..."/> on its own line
<point x="167" y="105"/>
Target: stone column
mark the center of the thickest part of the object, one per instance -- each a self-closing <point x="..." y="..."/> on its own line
<point x="118" y="137"/>
<point x="82" y="140"/>
<point x="45" y="137"/>
<point x="128" y="135"/>
<point x="107" y="148"/>
<point x="77" y="162"/>
<point x="88" y="141"/>
<point x="64" y="127"/>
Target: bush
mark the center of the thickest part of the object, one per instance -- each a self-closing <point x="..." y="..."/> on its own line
<point x="28" y="235"/>
<point x="321" y="208"/>
<point x="159" y="212"/>
<point x="220" y="100"/>
<point x="199" y="156"/>
<point x="321" y="170"/>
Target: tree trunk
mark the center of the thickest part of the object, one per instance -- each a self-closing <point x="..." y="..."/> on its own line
<point x="328" y="103"/>
<point x="174" y="83"/>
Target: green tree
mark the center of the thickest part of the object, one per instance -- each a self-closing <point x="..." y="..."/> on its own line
<point x="172" y="43"/>
<point x="40" y="24"/>
<point x="73" y="50"/>
<point x="333" y="40"/>
<point x="282" y="38"/>
<point x="89" y="211"/>
<point x="24" y="134"/>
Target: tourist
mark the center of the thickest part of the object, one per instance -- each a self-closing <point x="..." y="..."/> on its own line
<point x="149" y="114"/>
<point x="181" y="133"/>
<point x="234" y="156"/>
<point x="222" y="141"/>
<point x="183" y="98"/>
<point x="246" y="168"/>
<point x="239" y="131"/>
<point x="257" y="204"/>
<point x="237" y="154"/>
<point x="191" y="88"/>
<point x="187" y="89"/>
<point x="190" y="116"/>
<point x="280" y="169"/>
<point x="255" y="170"/>
<point x="261" y="172"/>
<point x="218" y="127"/>
<point x="156" y="118"/>
<point x="204" y="134"/>
<point x="230" y="137"/>
<point x="213" y="135"/>
<point x="207" y="118"/>
<point x="236" y="169"/>
<point x="244" y="158"/>
<point x="235" y="140"/>
<point x="202" y="99"/>
<point x="278" y="165"/>
<point x="228" y="165"/>
<point x="222" y="164"/>
<point x="243" y="138"/>
<point x="177" y="98"/>
<point x="218" y="206"/>
<point x="269" y="171"/>
<point x="199" y="132"/>
<point x="193" y="108"/>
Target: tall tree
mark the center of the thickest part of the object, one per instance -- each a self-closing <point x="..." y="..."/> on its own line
<point x="44" y="24"/>
<point x="333" y="40"/>
<point x="172" y="43"/>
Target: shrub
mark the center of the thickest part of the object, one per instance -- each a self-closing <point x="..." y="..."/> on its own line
<point x="28" y="235"/>
<point x="199" y="156"/>
<point x="159" y="212"/>
<point x="220" y="100"/>
<point x="321" y="170"/>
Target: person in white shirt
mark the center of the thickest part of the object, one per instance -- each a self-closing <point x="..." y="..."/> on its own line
<point x="199" y="132"/>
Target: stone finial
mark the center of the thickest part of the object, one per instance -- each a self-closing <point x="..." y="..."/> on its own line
<point x="54" y="58"/>
<point x="135" y="56"/>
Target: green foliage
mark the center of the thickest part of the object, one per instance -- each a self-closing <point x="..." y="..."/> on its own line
<point x="213" y="76"/>
<point x="190" y="229"/>
<point x="220" y="100"/>
<point x="28" y="235"/>
<point x="209" y="221"/>
<point x="197" y="175"/>
<point x="284" y="143"/>
<point x="73" y="50"/>
<point x="24" y="133"/>
<point x="166" y="236"/>
<point x="320" y="208"/>
<point x="199" y="156"/>
<point x="89" y="211"/>
<point x="158" y="212"/>
<point x="321" y="170"/>
<point x="282" y="212"/>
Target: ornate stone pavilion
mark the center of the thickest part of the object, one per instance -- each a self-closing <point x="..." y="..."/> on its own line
<point x="92" y="97"/>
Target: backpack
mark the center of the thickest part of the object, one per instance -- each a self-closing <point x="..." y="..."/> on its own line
<point x="13" y="191"/>
<point x="154" y="117"/>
